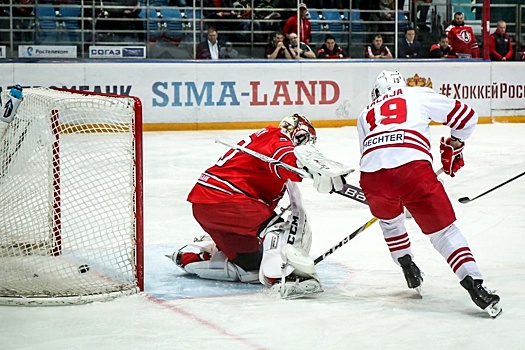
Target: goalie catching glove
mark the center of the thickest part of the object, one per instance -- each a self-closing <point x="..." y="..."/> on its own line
<point x="328" y="175"/>
<point x="451" y="158"/>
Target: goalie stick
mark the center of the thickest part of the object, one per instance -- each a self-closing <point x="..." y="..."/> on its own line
<point x="349" y="191"/>
<point x="464" y="200"/>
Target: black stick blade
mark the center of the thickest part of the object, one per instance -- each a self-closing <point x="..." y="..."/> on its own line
<point x="464" y="200"/>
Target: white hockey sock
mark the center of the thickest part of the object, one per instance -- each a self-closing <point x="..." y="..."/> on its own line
<point x="396" y="237"/>
<point x="451" y="244"/>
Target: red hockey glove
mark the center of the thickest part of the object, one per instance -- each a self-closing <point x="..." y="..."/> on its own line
<point x="452" y="159"/>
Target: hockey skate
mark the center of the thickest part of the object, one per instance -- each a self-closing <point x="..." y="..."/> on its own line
<point x="298" y="288"/>
<point x="481" y="296"/>
<point x="189" y="254"/>
<point x="411" y="272"/>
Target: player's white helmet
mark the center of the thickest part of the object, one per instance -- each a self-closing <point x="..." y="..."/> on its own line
<point x="386" y="80"/>
<point x="299" y="129"/>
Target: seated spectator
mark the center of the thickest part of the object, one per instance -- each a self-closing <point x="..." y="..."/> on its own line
<point x="369" y="13"/>
<point x="24" y="12"/>
<point x="268" y="18"/>
<point x="277" y="49"/>
<point x="299" y="49"/>
<point x="287" y="9"/>
<point x="330" y="49"/>
<point x="500" y="44"/>
<point x="243" y="13"/>
<point x="387" y="13"/>
<point x="210" y="48"/>
<point x="119" y="20"/>
<point x="302" y="22"/>
<point x="228" y="51"/>
<point x="219" y="14"/>
<point x="377" y="49"/>
<point x="409" y="47"/>
<point x="422" y="7"/>
<point x="442" y="49"/>
<point x="133" y="26"/>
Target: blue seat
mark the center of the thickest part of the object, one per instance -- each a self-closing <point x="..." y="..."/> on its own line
<point x="70" y="16"/>
<point x="168" y="27"/>
<point x="47" y="25"/>
<point x="335" y="24"/>
<point x="197" y="15"/>
<point x="402" y="21"/>
<point x="357" y="26"/>
<point x="316" y="30"/>
<point x="173" y="19"/>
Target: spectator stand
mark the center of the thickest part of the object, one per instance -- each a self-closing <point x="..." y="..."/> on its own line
<point x="50" y="29"/>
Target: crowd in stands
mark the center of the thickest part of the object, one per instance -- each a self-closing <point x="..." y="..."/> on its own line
<point x="284" y="26"/>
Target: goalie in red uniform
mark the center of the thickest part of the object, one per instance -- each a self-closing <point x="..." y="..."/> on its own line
<point x="234" y="202"/>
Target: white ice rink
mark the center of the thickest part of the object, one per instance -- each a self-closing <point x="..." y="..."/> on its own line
<point x="366" y="303"/>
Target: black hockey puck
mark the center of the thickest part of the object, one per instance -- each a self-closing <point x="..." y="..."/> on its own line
<point x="83" y="268"/>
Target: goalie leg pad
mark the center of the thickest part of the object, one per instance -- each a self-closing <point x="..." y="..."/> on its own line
<point x="297" y="226"/>
<point x="283" y="260"/>
<point x="286" y="266"/>
<point x="221" y="269"/>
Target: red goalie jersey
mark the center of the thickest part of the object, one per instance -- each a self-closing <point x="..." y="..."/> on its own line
<point x="237" y="175"/>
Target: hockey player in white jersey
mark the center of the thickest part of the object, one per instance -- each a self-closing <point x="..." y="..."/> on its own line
<point x="396" y="172"/>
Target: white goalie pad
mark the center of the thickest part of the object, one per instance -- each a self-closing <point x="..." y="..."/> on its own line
<point x="311" y="158"/>
<point x="297" y="226"/>
<point x="281" y="237"/>
<point x="221" y="269"/>
<point x="217" y="268"/>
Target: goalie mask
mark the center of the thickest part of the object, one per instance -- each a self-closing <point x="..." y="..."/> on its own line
<point x="299" y="129"/>
<point x="386" y="80"/>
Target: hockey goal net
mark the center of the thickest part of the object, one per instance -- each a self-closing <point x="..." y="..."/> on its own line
<point x="71" y="198"/>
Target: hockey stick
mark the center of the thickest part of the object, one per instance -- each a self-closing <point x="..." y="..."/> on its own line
<point x="345" y="240"/>
<point x="465" y="200"/>
<point x="350" y="191"/>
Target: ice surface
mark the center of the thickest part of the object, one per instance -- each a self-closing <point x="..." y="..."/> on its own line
<point x="366" y="304"/>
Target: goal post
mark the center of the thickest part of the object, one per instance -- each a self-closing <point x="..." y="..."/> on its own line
<point x="71" y="198"/>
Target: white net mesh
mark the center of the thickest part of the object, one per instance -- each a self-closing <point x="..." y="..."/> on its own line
<point x="68" y="198"/>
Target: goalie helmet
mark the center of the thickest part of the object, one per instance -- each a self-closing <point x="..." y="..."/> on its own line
<point x="299" y="129"/>
<point x="386" y="80"/>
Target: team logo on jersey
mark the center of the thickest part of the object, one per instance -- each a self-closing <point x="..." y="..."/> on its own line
<point x="416" y="80"/>
<point x="465" y="36"/>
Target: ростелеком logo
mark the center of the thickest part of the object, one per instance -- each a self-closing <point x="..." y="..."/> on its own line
<point x="30" y="50"/>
